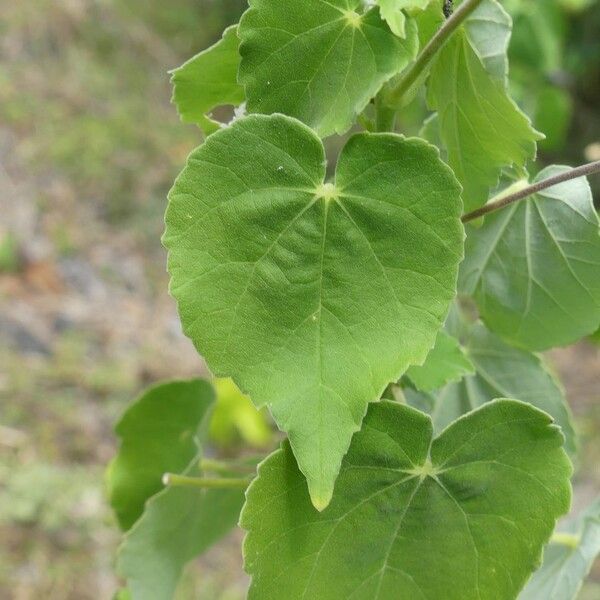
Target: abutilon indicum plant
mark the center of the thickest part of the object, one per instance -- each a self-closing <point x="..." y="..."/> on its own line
<point x="387" y="307"/>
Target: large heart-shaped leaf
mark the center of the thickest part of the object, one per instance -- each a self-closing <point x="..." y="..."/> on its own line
<point x="319" y="61"/>
<point x="209" y="80"/>
<point x="482" y="128"/>
<point x="534" y="268"/>
<point x="313" y="296"/>
<point x="158" y="434"/>
<point x="501" y="371"/>
<point x="567" y="559"/>
<point x="460" y="517"/>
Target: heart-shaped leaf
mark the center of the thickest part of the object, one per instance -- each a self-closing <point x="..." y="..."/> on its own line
<point x="313" y="296"/>
<point x="460" y="517"/>
<point x="319" y="61"/>
<point x="534" y="268"/>
<point x="209" y="80"/>
<point x="501" y="371"/>
<point x="158" y="434"/>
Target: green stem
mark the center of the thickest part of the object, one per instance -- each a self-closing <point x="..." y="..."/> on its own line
<point x="565" y="539"/>
<point x="504" y="200"/>
<point x="385" y="118"/>
<point x="218" y="466"/>
<point x="394" y="95"/>
<point x="173" y="480"/>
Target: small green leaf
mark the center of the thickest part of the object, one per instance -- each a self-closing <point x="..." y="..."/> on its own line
<point x="313" y="296"/>
<point x="567" y="559"/>
<point x="393" y="12"/>
<point x="533" y="267"/>
<point x="460" y="517"/>
<point x="209" y="80"/>
<point x="235" y="418"/>
<point x="501" y="371"/>
<point x="482" y="128"/>
<point x="445" y="363"/>
<point x="158" y="434"/>
<point x="318" y="61"/>
<point x="178" y="524"/>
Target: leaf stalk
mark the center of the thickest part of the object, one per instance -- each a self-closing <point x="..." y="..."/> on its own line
<point x="224" y="467"/>
<point x="505" y="200"/>
<point x="172" y="480"/>
<point x="394" y="95"/>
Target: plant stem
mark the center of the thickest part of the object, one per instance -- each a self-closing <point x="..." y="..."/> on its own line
<point x="173" y="480"/>
<point x="385" y="118"/>
<point x="565" y="539"/>
<point x="218" y="466"/>
<point x="505" y="200"/>
<point x="394" y="96"/>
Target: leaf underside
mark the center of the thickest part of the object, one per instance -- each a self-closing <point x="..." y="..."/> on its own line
<point x="501" y="371"/>
<point x="462" y="517"/>
<point x="313" y="296"/>
<point x="533" y="268"/>
<point x="482" y="128"/>
<point x="567" y="563"/>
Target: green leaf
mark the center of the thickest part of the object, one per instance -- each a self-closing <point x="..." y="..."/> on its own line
<point x="158" y="434"/>
<point x="235" y="418"/>
<point x="533" y="267"/>
<point x="178" y="524"/>
<point x="445" y="363"/>
<point x="208" y="80"/>
<point x="313" y="296"/>
<point x="501" y="371"/>
<point x="318" y="61"/>
<point x="489" y="29"/>
<point x="460" y="517"/>
<point x="482" y="128"/>
<point x="568" y="559"/>
<point x="393" y="12"/>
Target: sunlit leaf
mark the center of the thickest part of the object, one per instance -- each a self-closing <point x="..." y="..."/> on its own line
<point x="318" y="61"/>
<point x="313" y="296"/>
<point x="158" y="434"/>
<point x="567" y="559"/>
<point x="533" y="268"/>
<point x="209" y="80"/>
<point x="501" y="371"/>
<point x="446" y="362"/>
<point x="235" y="418"/>
<point x="460" y="517"/>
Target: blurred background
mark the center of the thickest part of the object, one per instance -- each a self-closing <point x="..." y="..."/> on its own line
<point x="89" y="146"/>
